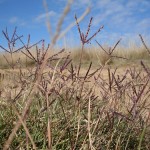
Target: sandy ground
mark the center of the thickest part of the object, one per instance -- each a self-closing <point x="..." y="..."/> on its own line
<point x="104" y="71"/>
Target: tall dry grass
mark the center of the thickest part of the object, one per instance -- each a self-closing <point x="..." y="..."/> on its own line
<point x="55" y="105"/>
<point x="133" y="53"/>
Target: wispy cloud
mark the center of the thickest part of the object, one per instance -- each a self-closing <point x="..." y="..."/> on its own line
<point x="109" y="9"/>
<point x="84" y="2"/>
<point x="13" y="20"/>
<point x="124" y="18"/>
<point x="42" y="16"/>
<point x="123" y="15"/>
<point x="121" y="19"/>
<point x="22" y="23"/>
<point x="79" y="5"/>
<point x="144" y="25"/>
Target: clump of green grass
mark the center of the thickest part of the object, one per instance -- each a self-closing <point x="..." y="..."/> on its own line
<point x="69" y="123"/>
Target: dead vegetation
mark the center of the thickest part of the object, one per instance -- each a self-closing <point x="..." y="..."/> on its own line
<point x="55" y="105"/>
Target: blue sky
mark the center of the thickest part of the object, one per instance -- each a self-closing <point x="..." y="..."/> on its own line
<point x="121" y="19"/>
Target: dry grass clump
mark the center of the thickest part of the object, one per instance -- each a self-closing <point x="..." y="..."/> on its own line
<point x="54" y="105"/>
<point x="18" y="56"/>
<point x="6" y="59"/>
<point x="88" y="55"/>
<point x="133" y="54"/>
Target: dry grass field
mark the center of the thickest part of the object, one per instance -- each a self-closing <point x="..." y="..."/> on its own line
<point x="95" y="98"/>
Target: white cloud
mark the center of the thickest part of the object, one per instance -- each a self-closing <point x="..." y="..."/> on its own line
<point x="79" y="5"/>
<point x="124" y="17"/>
<point x="143" y="25"/>
<point x="120" y="13"/>
<point x="102" y="3"/>
<point x="44" y="15"/>
<point x="13" y="20"/>
<point x="22" y="23"/>
<point x="84" y="2"/>
<point x="107" y="9"/>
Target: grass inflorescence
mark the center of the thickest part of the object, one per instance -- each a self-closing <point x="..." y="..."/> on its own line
<point x="62" y="102"/>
